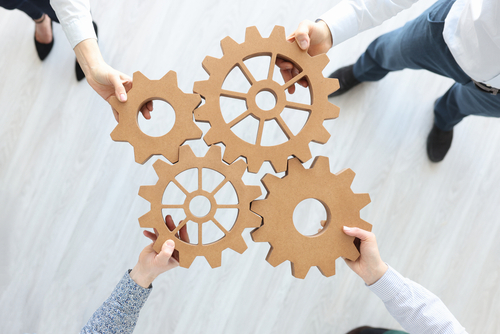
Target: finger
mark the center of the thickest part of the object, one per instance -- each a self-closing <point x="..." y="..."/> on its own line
<point x="166" y="251"/>
<point x="302" y="34"/>
<point x="184" y="234"/>
<point x="287" y="75"/>
<point x="150" y="235"/>
<point x="115" y="113"/>
<point x="170" y="222"/>
<point x="291" y="37"/>
<point x="359" y="233"/>
<point x="283" y="64"/>
<point x="120" y="92"/>
<point x="323" y="222"/>
<point x="303" y="83"/>
<point x="156" y="232"/>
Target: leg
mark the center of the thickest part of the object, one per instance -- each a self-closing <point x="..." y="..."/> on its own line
<point x="419" y="44"/>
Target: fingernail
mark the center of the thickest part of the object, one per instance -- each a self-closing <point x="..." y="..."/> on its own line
<point x="347" y="228"/>
<point x="123" y="97"/>
<point x="170" y="243"/>
<point x="303" y="44"/>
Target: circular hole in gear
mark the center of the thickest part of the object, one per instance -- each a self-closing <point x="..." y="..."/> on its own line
<point x="200" y="206"/>
<point x="308" y="215"/>
<point x="265" y="100"/>
<point x="161" y="122"/>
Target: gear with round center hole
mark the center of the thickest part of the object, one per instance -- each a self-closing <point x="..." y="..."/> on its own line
<point x="145" y="90"/>
<point x="342" y="207"/>
<point x="232" y="173"/>
<point x="275" y="46"/>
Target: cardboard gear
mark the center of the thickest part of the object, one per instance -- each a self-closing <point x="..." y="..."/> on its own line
<point x="342" y="207"/>
<point x="232" y="238"/>
<point x="275" y="46"/>
<point x="145" y="90"/>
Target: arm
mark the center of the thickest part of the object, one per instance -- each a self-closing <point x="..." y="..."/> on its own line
<point x="120" y="312"/>
<point x="416" y="309"/>
<point x="76" y="22"/>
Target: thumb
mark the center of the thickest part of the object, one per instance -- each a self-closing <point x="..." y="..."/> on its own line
<point x="363" y="235"/>
<point x="166" y="251"/>
<point x="120" y="92"/>
<point x="302" y="34"/>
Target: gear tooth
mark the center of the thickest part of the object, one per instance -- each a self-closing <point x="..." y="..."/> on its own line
<point x="139" y="78"/>
<point x="186" y="259"/>
<point x="214" y="259"/>
<point x="119" y="133"/>
<point x="230" y="154"/>
<point x="252" y="34"/>
<point x="331" y="111"/>
<point x="279" y="165"/>
<point x="364" y="225"/>
<point x="274" y="258"/>
<point x="194" y="100"/>
<point x="300" y="271"/>
<point x="141" y="157"/>
<point x="294" y="165"/>
<point x="257" y="235"/>
<point x="239" y="168"/>
<point x="303" y="154"/>
<point x="362" y="200"/>
<point x="202" y="114"/>
<point x="331" y="85"/>
<point x="322" y="164"/>
<point x="202" y="87"/>
<point x="321" y="60"/>
<point x="210" y="64"/>
<point x="238" y="245"/>
<point x="214" y="153"/>
<point x="253" y="192"/>
<point x="258" y="207"/>
<point x="169" y="78"/>
<point x="186" y="153"/>
<point x="346" y="176"/>
<point x="228" y="44"/>
<point x="327" y="270"/>
<point x="117" y="105"/>
<point x="278" y="33"/>
<point x="159" y="166"/>
<point x="145" y="221"/>
<point x="321" y="135"/>
<point x="254" y="220"/>
<point x="351" y="252"/>
<point x="270" y="181"/>
<point x="254" y="164"/>
<point x="147" y="192"/>
<point x="211" y="138"/>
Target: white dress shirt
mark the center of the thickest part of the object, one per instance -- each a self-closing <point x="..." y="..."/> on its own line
<point x="471" y="30"/>
<point x="75" y="19"/>
<point x="415" y="308"/>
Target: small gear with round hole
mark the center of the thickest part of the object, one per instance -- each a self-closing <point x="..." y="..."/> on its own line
<point x="342" y="207"/>
<point x="275" y="46"/>
<point x="145" y="90"/>
<point x="232" y="174"/>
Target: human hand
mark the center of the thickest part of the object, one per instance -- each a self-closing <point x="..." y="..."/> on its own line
<point x="104" y="79"/>
<point x="369" y="266"/>
<point x="152" y="264"/>
<point x="313" y="37"/>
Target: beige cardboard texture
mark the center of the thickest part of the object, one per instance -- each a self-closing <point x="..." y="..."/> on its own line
<point x="342" y="207"/>
<point x="145" y="90"/>
<point x="275" y="46"/>
<point x="232" y="173"/>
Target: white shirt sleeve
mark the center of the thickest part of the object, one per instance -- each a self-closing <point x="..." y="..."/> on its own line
<point x="415" y="308"/>
<point x="351" y="17"/>
<point x="75" y="19"/>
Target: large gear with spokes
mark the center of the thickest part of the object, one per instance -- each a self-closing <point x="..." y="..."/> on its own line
<point x="145" y="90"/>
<point x="232" y="173"/>
<point x="275" y="46"/>
<point x="342" y="207"/>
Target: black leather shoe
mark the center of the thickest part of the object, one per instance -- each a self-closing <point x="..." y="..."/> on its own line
<point x="42" y="49"/>
<point x="368" y="330"/>
<point x="346" y="80"/>
<point x="78" y="70"/>
<point x="438" y="143"/>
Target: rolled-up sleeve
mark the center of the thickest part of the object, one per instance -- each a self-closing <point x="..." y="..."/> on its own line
<point x="75" y="19"/>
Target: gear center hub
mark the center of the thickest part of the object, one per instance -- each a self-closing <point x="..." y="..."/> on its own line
<point x="262" y="88"/>
<point x="198" y="205"/>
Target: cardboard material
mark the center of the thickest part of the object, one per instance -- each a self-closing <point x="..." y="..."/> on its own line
<point x="232" y="173"/>
<point x="274" y="46"/>
<point x="342" y="207"/>
<point x="145" y="90"/>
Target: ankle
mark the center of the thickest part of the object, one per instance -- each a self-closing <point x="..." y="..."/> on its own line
<point x="40" y="20"/>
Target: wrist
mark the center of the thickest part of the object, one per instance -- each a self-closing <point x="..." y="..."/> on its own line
<point x="376" y="273"/>
<point x="88" y="54"/>
<point x="142" y="278"/>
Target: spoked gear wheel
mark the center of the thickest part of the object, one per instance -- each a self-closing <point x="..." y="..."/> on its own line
<point x="342" y="207"/>
<point x="275" y="46"/>
<point x="145" y="90"/>
<point x="232" y="174"/>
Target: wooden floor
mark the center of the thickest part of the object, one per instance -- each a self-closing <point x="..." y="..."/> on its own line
<point x="69" y="203"/>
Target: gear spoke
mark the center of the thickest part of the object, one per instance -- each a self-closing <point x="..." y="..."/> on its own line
<point x="233" y="94"/>
<point x="220" y="226"/>
<point x="271" y="67"/>
<point x="293" y="80"/>
<point x="284" y="127"/>
<point x="228" y="206"/>
<point x="260" y="132"/>
<point x="200" y="178"/>
<point x="180" y="186"/>
<point x="200" y="234"/>
<point x="246" y="73"/>
<point x="216" y="190"/>
<point x="298" y="106"/>
<point x="172" y="206"/>
<point x="239" y="118"/>
<point x="182" y="224"/>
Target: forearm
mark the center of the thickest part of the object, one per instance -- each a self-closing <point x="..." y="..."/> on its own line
<point x="119" y="313"/>
<point x="415" y="308"/>
<point x="88" y="54"/>
<point x="350" y="17"/>
<point x="75" y="19"/>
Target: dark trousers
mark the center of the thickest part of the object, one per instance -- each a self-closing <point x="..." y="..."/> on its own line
<point x="33" y="8"/>
<point x="419" y="44"/>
